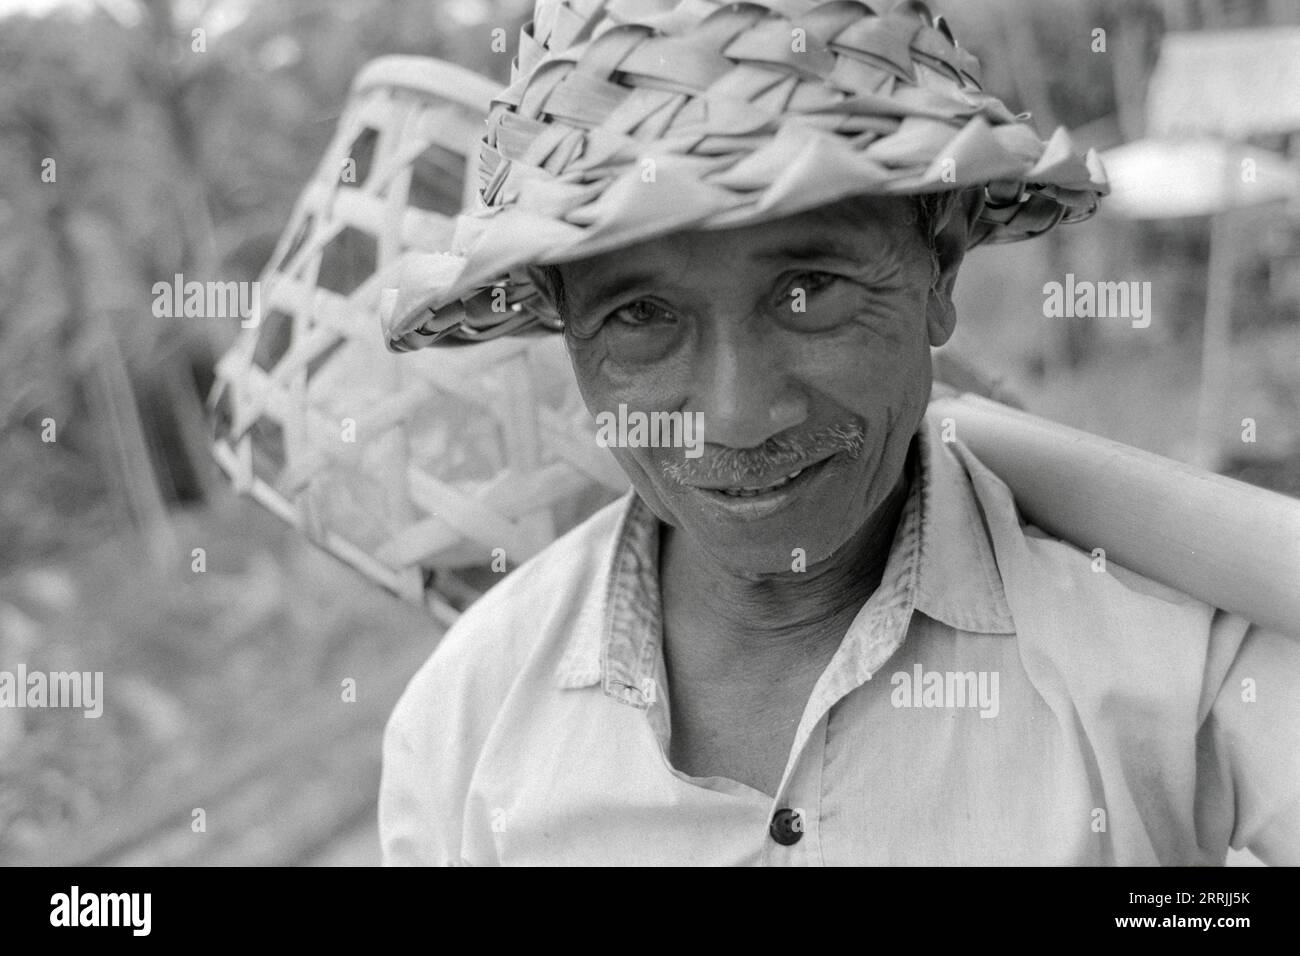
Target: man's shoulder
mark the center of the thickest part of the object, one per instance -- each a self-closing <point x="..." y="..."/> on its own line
<point x="504" y="647"/>
<point x="1079" y="564"/>
<point x="1072" y="564"/>
<point x="1075" y="601"/>
<point x="1100" y="639"/>
<point x="529" y="615"/>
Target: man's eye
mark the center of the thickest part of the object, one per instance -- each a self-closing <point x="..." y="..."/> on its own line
<point x="809" y="282"/>
<point x="640" y="313"/>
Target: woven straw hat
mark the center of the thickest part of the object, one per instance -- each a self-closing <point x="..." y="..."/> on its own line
<point x="630" y="119"/>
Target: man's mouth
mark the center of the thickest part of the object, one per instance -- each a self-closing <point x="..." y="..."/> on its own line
<point x="763" y="486"/>
<point x="747" y="491"/>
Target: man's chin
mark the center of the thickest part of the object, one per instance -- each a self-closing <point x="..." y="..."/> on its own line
<point x="792" y="538"/>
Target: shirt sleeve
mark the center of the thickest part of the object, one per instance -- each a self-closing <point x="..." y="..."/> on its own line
<point x="1255" y="725"/>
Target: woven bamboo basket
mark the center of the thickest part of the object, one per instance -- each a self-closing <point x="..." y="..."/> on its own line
<point x="403" y="466"/>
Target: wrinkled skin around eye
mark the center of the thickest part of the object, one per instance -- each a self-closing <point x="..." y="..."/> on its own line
<point x="766" y="346"/>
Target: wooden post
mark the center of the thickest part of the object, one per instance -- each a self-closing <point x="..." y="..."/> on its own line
<point x="95" y="278"/>
<point x="1131" y="71"/>
<point x="1216" y="343"/>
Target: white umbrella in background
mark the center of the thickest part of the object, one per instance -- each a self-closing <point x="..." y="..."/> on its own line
<point x="1170" y="179"/>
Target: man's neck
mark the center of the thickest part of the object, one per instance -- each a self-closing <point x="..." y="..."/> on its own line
<point x="728" y="625"/>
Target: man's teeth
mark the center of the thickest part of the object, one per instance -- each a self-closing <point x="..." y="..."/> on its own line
<point x="750" y="492"/>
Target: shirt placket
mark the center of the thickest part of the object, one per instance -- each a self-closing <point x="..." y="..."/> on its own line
<point x="875" y="635"/>
<point x="794" y="819"/>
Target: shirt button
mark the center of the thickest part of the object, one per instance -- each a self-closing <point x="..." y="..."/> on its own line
<point x="786" y="827"/>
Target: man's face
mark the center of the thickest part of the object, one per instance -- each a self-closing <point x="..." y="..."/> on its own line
<point x="803" y="343"/>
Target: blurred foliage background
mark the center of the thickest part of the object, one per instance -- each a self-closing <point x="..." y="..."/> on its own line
<point x="168" y="160"/>
<point x="173" y="159"/>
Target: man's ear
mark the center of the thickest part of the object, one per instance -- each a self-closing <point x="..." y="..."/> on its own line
<point x="952" y="235"/>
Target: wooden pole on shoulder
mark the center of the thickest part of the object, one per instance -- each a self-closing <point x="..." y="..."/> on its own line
<point x="1222" y="541"/>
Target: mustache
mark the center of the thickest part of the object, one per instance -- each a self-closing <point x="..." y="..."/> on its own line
<point x="778" y="453"/>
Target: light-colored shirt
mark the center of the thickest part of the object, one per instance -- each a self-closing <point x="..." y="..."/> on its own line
<point x="999" y="699"/>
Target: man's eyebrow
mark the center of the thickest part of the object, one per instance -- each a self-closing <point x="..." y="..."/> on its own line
<point x="814" y="247"/>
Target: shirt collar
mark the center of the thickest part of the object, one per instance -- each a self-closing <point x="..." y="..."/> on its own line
<point x="958" y="581"/>
<point x="941" y="563"/>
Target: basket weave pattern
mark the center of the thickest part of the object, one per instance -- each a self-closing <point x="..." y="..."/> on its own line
<point x="398" y="466"/>
<point x="744" y="112"/>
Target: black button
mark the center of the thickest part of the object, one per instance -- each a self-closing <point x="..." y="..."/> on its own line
<point x="786" y="827"/>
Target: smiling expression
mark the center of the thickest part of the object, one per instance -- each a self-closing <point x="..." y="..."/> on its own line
<point x="804" y="342"/>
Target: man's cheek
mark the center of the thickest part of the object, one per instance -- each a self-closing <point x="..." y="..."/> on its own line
<point x="599" y="379"/>
<point x="639" y="469"/>
<point x="861" y="368"/>
<point x="871" y="386"/>
<point x="647" y="477"/>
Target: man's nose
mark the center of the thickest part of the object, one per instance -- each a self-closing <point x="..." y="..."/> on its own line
<point x="743" y="388"/>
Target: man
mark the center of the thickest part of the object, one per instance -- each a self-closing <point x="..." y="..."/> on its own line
<point x="827" y="639"/>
